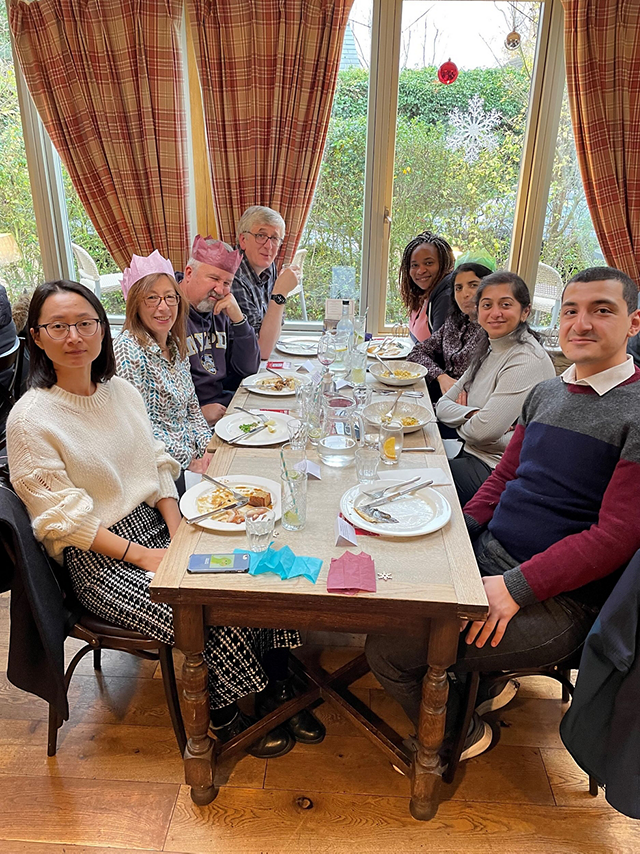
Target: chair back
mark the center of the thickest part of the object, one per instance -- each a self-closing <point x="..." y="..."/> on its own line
<point x="87" y="268"/>
<point x="11" y="363"/>
<point x="548" y="283"/>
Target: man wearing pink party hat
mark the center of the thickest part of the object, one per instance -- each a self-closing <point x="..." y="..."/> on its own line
<point x="219" y="338"/>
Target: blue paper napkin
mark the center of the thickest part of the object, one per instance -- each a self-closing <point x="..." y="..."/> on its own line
<point x="283" y="562"/>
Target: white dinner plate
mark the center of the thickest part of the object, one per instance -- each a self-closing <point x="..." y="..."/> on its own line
<point x="252" y="383"/>
<point x="229" y="428"/>
<point x="396" y="348"/>
<point x="374" y="411"/>
<point x="189" y="501"/>
<point x="420" y="513"/>
<point x="298" y="346"/>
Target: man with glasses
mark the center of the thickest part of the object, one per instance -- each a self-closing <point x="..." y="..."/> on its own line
<point x="260" y="292"/>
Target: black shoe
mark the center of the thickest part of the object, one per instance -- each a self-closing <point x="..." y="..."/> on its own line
<point x="275" y="743"/>
<point x="303" y="726"/>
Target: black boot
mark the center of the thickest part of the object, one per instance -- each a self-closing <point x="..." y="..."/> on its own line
<point x="275" y="743"/>
<point x="303" y="726"/>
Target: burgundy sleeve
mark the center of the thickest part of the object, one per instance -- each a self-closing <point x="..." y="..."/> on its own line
<point x="596" y="552"/>
<point x="483" y="504"/>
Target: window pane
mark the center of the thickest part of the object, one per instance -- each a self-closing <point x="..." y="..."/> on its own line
<point x="91" y="256"/>
<point x="20" y="263"/>
<point x="569" y="242"/>
<point x="333" y="233"/>
<point x="459" y="145"/>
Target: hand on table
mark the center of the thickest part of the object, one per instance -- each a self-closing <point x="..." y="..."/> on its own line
<point x="501" y="609"/>
<point x="200" y="465"/>
<point x="213" y="412"/>
<point x="150" y="559"/>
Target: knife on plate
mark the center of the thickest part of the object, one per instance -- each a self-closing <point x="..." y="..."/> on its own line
<point x="241" y="436"/>
<point x="196" y="519"/>
<point x="387" y="498"/>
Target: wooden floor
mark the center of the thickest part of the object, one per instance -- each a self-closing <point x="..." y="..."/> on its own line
<point x="116" y="782"/>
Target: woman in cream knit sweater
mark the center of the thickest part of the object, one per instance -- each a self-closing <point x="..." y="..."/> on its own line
<point x="101" y="496"/>
<point x="486" y="401"/>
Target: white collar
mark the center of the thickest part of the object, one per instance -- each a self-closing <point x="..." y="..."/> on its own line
<point x="606" y="380"/>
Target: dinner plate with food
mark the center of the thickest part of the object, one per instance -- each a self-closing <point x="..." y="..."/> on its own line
<point x="205" y="497"/>
<point x="398" y="373"/>
<point x="275" y="386"/>
<point x="242" y="428"/>
<point x="389" y="347"/>
<point x="411" y="515"/>
<point x="412" y="416"/>
<point x="298" y="346"/>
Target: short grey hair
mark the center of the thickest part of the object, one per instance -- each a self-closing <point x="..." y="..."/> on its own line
<point x="260" y="214"/>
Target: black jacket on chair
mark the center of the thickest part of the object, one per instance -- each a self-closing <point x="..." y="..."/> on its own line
<point x="39" y="618"/>
<point x="601" y="730"/>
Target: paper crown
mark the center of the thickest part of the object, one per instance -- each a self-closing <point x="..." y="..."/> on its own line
<point x="216" y="253"/>
<point x="141" y="267"/>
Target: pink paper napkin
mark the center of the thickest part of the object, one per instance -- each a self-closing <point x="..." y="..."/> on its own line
<point x="351" y="573"/>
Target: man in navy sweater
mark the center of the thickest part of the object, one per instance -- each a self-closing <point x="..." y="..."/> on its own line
<point x="559" y="515"/>
<point x="220" y="340"/>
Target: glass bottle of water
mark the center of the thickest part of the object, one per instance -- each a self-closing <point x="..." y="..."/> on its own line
<point x="345" y="326"/>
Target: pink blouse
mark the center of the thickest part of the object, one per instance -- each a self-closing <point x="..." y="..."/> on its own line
<point x="419" y="323"/>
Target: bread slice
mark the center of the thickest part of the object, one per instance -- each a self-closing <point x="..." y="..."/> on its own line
<point x="260" y="498"/>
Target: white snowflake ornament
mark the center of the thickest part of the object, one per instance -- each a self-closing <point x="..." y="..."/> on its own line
<point x="473" y="130"/>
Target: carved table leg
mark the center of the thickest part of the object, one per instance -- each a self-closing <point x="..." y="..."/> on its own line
<point x="199" y="756"/>
<point x="427" y="770"/>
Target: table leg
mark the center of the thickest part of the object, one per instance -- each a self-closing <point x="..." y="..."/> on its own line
<point x="427" y="770"/>
<point x="199" y="756"/>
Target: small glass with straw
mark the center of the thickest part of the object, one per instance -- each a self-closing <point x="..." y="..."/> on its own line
<point x="294" y="488"/>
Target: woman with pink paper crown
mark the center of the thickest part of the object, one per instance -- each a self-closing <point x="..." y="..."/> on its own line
<point x="221" y="343"/>
<point x="151" y="353"/>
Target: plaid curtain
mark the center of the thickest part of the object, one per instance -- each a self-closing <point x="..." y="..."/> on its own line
<point x="602" y="44"/>
<point x="268" y="72"/>
<point x="106" y="78"/>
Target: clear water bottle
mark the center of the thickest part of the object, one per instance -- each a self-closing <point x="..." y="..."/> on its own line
<point x="345" y="326"/>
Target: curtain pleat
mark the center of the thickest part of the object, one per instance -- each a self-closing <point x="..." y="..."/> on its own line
<point x="268" y="71"/>
<point x="602" y="45"/>
<point x="106" y="78"/>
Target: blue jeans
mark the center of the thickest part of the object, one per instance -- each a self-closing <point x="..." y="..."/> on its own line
<point x="537" y="635"/>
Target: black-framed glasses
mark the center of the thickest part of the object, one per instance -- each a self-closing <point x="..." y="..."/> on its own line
<point x="58" y="331"/>
<point x="153" y="300"/>
<point x="261" y="239"/>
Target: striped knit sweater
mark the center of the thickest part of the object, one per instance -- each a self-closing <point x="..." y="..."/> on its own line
<point x="565" y="498"/>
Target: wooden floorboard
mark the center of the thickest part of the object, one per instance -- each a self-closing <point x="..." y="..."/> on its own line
<point x="116" y="782"/>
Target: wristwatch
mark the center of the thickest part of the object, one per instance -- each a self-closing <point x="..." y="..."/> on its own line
<point x="279" y="299"/>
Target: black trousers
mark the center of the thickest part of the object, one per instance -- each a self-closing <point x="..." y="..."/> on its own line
<point x="469" y="473"/>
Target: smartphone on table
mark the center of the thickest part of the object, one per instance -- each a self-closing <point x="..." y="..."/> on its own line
<point x="218" y="563"/>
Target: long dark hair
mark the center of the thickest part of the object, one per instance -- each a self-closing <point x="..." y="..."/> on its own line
<point x="468" y="267"/>
<point x="42" y="374"/>
<point x="412" y="296"/>
<point x="520" y="292"/>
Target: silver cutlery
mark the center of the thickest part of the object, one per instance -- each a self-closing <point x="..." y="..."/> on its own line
<point x="384" y="365"/>
<point x="259" y="415"/>
<point x="226" y="486"/>
<point x="392" y="391"/>
<point x="196" y="519"/>
<point x="375" y="516"/>
<point x="380" y="492"/>
<point x="388" y="498"/>
<point x="388" y="416"/>
<point x="234" y="440"/>
<point x="424" y="448"/>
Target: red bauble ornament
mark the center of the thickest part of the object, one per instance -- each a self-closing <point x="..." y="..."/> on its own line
<point x="448" y="72"/>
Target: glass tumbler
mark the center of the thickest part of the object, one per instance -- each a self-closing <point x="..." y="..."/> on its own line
<point x="298" y="433"/>
<point x="367" y="461"/>
<point x="391" y="439"/>
<point x="259" y="522"/>
<point x="359" y="366"/>
<point x="294" y="500"/>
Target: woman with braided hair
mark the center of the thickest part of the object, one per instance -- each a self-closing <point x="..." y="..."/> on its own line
<point x="425" y="284"/>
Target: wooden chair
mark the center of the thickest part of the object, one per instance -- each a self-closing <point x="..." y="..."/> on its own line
<point x="99" y="635"/>
<point x="561" y="672"/>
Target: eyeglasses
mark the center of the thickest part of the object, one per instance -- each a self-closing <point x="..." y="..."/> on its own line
<point x="261" y="239"/>
<point x="153" y="300"/>
<point x="58" y="331"/>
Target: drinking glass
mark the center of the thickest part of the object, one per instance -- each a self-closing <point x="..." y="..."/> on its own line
<point x="341" y="361"/>
<point x="367" y="461"/>
<point x="359" y="366"/>
<point x="259" y="522"/>
<point x="294" y="500"/>
<point x="292" y="459"/>
<point x="359" y="328"/>
<point x="362" y="396"/>
<point x="327" y="350"/>
<point x="298" y="433"/>
<point x="391" y="438"/>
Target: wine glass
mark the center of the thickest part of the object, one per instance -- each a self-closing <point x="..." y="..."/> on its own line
<point x="326" y="350"/>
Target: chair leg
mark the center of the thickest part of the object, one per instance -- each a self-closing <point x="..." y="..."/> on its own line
<point x="171" y="694"/>
<point x="97" y="659"/>
<point x="470" y="697"/>
<point x="593" y="786"/>
<point x="52" y="734"/>
<point x="566" y="694"/>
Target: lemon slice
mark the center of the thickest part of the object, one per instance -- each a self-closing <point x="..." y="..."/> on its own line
<point x="389" y="448"/>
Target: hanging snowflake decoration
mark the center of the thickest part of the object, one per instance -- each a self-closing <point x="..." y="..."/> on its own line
<point x="473" y="130"/>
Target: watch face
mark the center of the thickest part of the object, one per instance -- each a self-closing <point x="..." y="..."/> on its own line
<point x="279" y="299"/>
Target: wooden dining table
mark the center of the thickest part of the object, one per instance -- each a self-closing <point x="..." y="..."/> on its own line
<point x="434" y="584"/>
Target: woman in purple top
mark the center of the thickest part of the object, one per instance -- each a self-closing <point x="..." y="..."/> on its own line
<point x="447" y="353"/>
